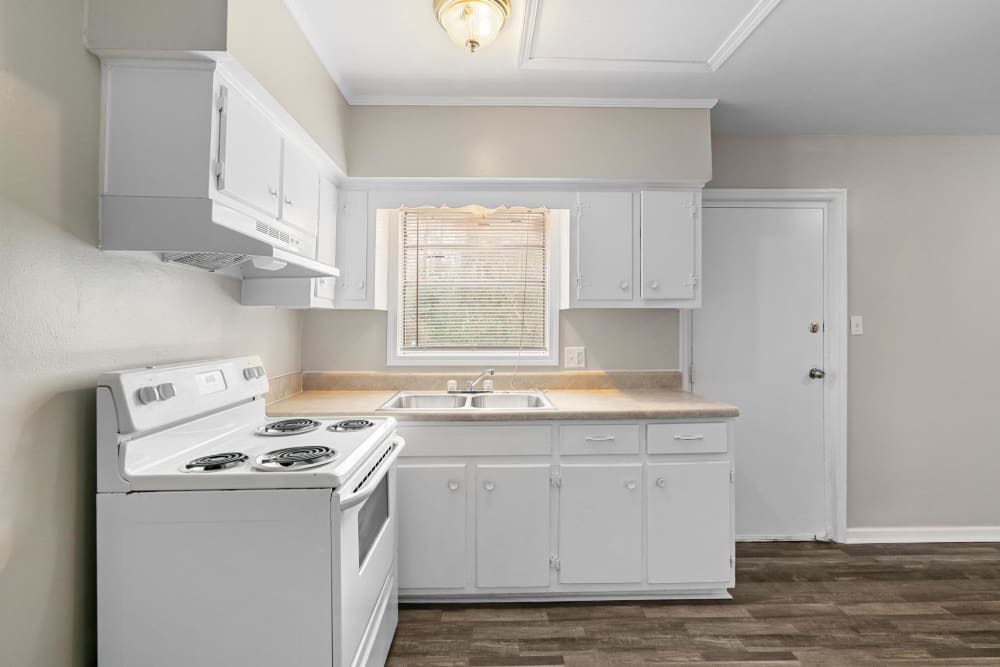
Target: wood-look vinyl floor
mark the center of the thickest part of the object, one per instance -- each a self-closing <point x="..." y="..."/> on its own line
<point x="801" y="603"/>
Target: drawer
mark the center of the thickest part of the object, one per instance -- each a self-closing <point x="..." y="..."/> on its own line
<point x="599" y="439"/>
<point x="476" y="440"/>
<point x="694" y="438"/>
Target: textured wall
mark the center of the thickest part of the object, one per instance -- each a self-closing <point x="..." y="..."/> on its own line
<point x="346" y="340"/>
<point x="671" y="145"/>
<point x="68" y="312"/>
<point x="923" y="240"/>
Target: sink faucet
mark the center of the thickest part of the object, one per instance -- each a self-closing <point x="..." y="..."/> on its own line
<point x="471" y="384"/>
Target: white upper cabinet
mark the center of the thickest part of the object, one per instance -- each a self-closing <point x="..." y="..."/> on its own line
<point x="362" y="254"/>
<point x="299" y="188"/>
<point x="249" y="154"/>
<point x="635" y="250"/>
<point x="670" y="224"/>
<point x="604" y="246"/>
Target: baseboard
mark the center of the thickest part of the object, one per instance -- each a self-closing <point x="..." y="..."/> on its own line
<point x="803" y="537"/>
<point x="897" y="534"/>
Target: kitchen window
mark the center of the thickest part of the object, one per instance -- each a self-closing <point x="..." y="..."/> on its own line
<point x="474" y="286"/>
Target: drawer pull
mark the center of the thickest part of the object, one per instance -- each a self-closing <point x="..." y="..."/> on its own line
<point x="599" y="438"/>
<point x="689" y="437"/>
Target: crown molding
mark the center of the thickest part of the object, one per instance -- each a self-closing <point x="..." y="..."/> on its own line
<point x="527" y="101"/>
<point x="741" y="33"/>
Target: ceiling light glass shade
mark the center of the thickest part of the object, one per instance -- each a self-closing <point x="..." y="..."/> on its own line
<point x="472" y="24"/>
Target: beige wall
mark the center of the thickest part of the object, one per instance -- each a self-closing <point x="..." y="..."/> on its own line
<point x="265" y="39"/>
<point x="260" y="34"/>
<point x="923" y="243"/>
<point x="537" y="142"/>
<point x="68" y="312"/>
<point x="346" y="340"/>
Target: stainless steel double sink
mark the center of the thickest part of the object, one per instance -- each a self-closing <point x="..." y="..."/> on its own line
<point x="440" y="401"/>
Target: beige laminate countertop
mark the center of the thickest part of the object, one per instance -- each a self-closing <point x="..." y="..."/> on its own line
<point x="569" y="404"/>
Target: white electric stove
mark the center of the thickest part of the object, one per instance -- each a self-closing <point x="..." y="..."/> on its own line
<point x="226" y="538"/>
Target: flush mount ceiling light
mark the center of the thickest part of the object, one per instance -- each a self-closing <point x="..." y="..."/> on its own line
<point x="472" y="24"/>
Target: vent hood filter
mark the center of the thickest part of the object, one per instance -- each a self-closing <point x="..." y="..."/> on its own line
<point x="211" y="261"/>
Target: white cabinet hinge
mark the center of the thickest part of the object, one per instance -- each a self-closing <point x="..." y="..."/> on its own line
<point x="732" y="561"/>
<point x="555" y="480"/>
<point x="554" y="562"/>
<point x="692" y="281"/>
<point x="732" y="476"/>
<point x="691" y="373"/>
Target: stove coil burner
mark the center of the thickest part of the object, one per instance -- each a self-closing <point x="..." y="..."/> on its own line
<point x="296" y="458"/>
<point x="216" y="462"/>
<point x="351" y="425"/>
<point x="289" y="427"/>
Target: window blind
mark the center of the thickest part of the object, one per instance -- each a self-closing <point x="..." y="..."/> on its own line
<point x="473" y="279"/>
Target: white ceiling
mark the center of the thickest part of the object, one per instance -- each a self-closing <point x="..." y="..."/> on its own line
<point x="782" y="66"/>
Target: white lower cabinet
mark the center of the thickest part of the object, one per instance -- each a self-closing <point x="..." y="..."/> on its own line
<point x="432" y="526"/>
<point x="512" y="525"/>
<point x="600" y="523"/>
<point x="687" y="522"/>
<point x="547" y="510"/>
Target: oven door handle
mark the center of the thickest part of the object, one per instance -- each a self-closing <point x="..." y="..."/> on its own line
<point x="368" y="488"/>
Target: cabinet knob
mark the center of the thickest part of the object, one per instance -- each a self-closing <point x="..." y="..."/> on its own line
<point x="630" y="485"/>
<point x="453" y="485"/>
<point x="660" y="482"/>
<point x="654" y="284"/>
<point x="489" y="485"/>
<point x="272" y="191"/>
<point x="289" y="201"/>
<point x="623" y="284"/>
<point x="361" y="284"/>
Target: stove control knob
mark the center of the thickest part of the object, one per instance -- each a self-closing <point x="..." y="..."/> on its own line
<point x="249" y="372"/>
<point x="166" y="390"/>
<point x="147" y="394"/>
<point x="259" y="372"/>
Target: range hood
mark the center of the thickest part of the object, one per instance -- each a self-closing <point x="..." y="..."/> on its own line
<point x="208" y="234"/>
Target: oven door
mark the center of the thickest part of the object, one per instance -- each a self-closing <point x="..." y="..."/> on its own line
<point x="367" y="546"/>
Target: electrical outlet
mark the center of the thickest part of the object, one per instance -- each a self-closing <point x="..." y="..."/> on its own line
<point x="575" y="357"/>
<point x="857" y="326"/>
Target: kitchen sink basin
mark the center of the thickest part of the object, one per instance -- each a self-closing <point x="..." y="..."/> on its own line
<point x="485" y="402"/>
<point x="509" y="401"/>
<point x="405" y="401"/>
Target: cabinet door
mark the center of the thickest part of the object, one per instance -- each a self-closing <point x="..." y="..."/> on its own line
<point x="688" y="522"/>
<point x="326" y="238"/>
<point x="352" y="248"/>
<point x="249" y="154"/>
<point x="604" y="246"/>
<point x="600" y="524"/>
<point x="669" y="237"/>
<point x="299" y="189"/>
<point x="432" y="526"/>
<point x="512" y="525"/>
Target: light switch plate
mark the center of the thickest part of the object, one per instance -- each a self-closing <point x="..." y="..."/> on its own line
<point x="857" y="326"/>
<point x="575" y="357"/>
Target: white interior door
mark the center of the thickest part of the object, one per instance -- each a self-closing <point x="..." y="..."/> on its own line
<point x="752" y="345"/>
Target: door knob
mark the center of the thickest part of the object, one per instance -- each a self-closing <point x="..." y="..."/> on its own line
<point x="817" y="373"/>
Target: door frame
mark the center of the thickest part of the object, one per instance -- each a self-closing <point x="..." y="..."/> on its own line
<point x="833" y="203"/>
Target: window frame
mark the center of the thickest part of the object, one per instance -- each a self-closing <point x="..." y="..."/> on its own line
<point x="396" y="356"/>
